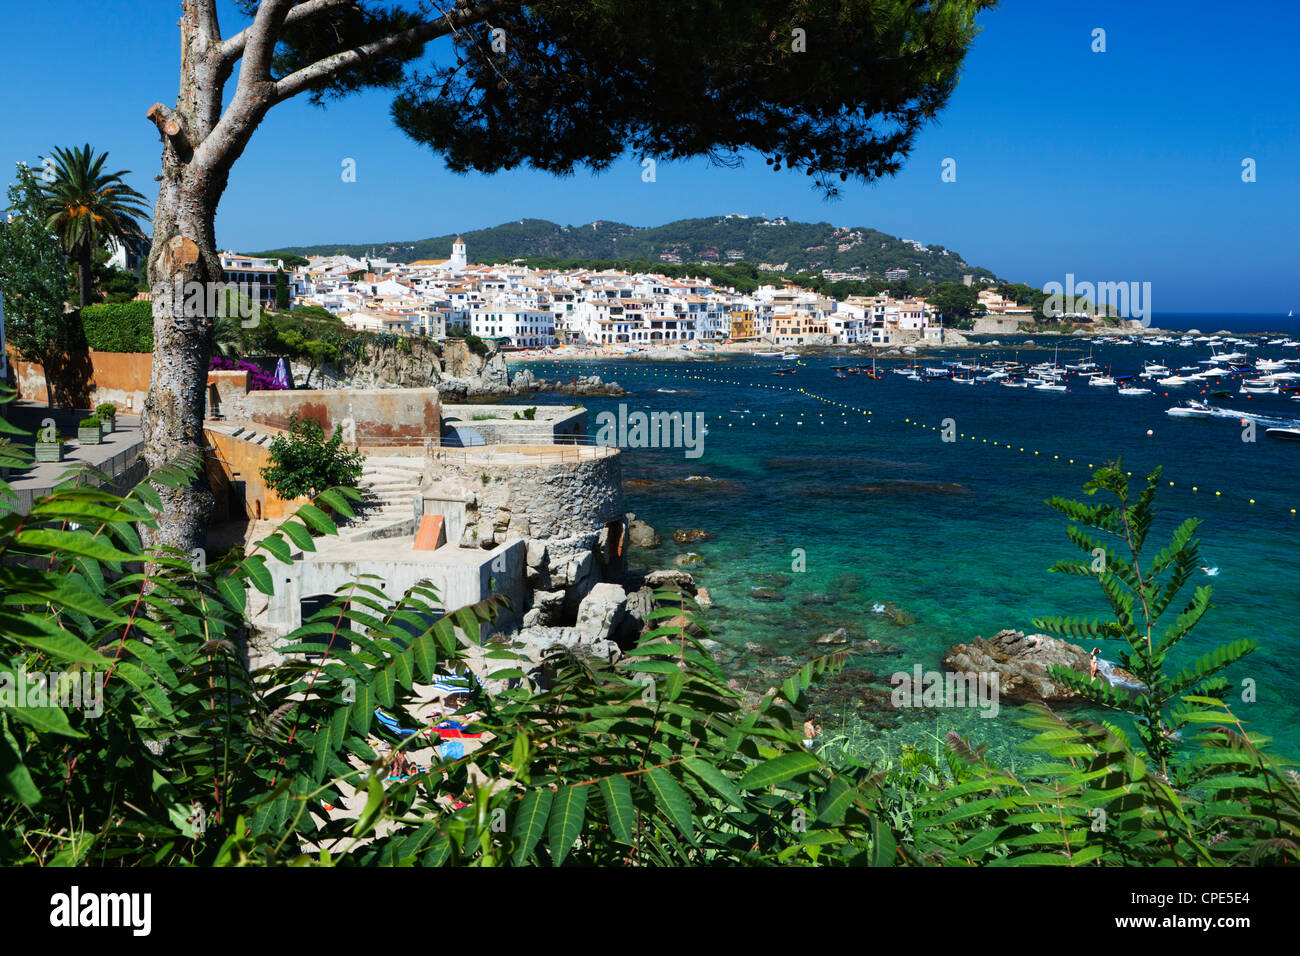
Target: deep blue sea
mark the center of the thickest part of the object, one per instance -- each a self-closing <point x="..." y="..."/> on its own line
<point x="958" y="535"/>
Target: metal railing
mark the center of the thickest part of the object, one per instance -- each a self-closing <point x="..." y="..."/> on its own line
<point x="577" y="449"/>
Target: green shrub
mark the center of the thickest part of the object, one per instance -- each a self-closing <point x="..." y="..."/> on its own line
<point x="304" y="463"/>
<point x="106" y="410"/>
<point x="528" y="415"/>
<point x="1139" y="593"/>
<point x="118" y="327"/>
<point x="91" y="422"/>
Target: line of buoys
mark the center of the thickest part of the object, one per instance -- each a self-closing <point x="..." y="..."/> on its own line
<point x="867" y="413"/>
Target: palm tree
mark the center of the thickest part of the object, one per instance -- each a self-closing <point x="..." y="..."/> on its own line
<point x="226" y="338"/>
<point x="87" y="206"/>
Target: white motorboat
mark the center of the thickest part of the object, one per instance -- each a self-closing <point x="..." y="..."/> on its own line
<point x="1015" y="384"/>
<point x="1191" y="410"/>
<point x="1134" y="391"/>
<point x="1049" y="387"/>
<point x="1103" y="381"/>
<point x="1174" y="380"/>
<point x="1286" y="434"/>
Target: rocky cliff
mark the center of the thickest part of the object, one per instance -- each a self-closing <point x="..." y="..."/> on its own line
<point x="450" y="366"/>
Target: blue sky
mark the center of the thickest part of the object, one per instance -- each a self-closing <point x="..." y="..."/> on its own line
<point x="1115" y="166"/>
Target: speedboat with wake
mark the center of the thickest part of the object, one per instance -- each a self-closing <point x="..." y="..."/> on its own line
<point x="1191" y="409"/>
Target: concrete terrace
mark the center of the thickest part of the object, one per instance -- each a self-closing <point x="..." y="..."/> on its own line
<point x="115" y="456"/>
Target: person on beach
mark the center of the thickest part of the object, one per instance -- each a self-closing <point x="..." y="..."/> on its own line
<point x="810" y="731"/>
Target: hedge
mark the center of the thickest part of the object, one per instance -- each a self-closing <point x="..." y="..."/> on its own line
<point x="118" y="326"/>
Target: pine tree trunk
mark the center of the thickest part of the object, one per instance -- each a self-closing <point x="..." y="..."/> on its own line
<point x="183" y="261"/>
<point x="182" y="264"/>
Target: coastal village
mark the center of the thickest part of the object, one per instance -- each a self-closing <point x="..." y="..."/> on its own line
<point x="527" y="308"/>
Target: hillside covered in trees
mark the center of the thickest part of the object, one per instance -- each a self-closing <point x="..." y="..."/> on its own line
<point x="776" y="245"/>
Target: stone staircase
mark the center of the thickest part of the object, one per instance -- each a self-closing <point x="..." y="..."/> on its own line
<point x="389" y="484"/>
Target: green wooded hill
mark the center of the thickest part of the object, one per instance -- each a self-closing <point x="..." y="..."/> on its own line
<point x="800" y="246"/>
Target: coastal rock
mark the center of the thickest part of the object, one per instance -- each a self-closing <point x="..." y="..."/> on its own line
<point x="838" y="636"/>
<point x="639" y="605"/>
<point x="703" y="598"/>
<point x="583" y="385"/>
<point x="894" y="614"/>
<point x="671" y="579"/>
<point x="539" y="640"/>
<point x="641" y="534"/>
<point x="766" y="594"/>
<point x="601" y="613"/>
<point x="549" y="607"/>
<point x="689" y="535"/>
<point x="1021" y="663"/>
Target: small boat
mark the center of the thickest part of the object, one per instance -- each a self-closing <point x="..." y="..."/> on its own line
<point x="789" y="357"/>
<point x="1103" y="381"/>
<point x="1174" y="380"/>
<point x="1049" y="387"/>
<point x="1285" y="434"/>
<point x="1134" y="391"/>
<point x="768" y="354"/>
<point x="1025" y="385"/>
<point x="1191" y="410"/>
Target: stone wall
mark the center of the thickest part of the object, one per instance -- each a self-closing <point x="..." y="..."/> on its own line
<point x="569" y="514"/>
<point x="465" y="425"/>
<point x="380" y="419"/>
<point x="541" y="499"/>
<point x="1001" y="323"/>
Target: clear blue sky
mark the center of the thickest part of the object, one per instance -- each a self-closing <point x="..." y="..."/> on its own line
<point x="1115" y="166"/>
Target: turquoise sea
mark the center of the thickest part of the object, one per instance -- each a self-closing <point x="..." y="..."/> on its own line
<point x="955" y="539"/>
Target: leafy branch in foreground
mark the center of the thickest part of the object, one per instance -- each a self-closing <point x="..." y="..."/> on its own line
<point x="186" y="756"/>
<point x="1138" y="599"/>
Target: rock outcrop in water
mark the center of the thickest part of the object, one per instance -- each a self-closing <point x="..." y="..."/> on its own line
<point x="1023" y="665"/>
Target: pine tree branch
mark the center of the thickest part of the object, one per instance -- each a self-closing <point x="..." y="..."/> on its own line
<point x="332" y="66"/>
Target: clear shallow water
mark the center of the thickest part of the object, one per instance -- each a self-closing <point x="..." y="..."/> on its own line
<point x="958" y="535"/>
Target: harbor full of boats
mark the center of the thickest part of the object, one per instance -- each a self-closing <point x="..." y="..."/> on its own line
<point x="1236" y="367"/>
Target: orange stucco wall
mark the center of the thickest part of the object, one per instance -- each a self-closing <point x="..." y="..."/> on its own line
<point x="237" y="460"/>
<point x="92" y="377"/>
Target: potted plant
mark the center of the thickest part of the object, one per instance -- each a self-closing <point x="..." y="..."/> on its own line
<point x="49" y="450"/>
<point x="107" y="415"/>
<point x="88" y="432"/>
